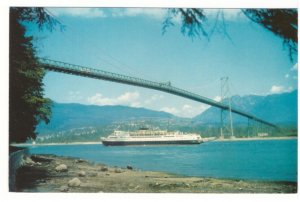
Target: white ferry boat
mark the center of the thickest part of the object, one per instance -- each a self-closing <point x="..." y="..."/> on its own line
<point x="145" y="136"/>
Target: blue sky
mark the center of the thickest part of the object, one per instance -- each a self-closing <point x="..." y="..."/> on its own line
<point x="130" y="41"/>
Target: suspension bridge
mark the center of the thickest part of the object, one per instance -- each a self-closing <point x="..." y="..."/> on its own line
<point x="67" y="68"/>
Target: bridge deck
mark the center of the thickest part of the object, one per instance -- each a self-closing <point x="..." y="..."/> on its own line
<point x="58" y="66"/>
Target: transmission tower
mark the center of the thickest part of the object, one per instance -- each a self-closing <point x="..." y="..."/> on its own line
<point x="226" y="127"/>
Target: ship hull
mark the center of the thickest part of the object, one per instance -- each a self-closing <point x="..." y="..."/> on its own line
<point x="124" y="143"/>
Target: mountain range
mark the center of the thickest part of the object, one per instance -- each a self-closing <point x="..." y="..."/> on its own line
<point x="68" y="116"/>
<point x="275" y="108"/>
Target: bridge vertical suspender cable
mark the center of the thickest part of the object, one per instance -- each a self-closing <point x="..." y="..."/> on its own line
<point x="67" y="68"/>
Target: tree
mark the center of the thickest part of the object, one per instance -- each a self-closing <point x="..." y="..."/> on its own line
<point x="192" y="20"/>
<point x="27" y="106"/>
<point x="281" y="22"/>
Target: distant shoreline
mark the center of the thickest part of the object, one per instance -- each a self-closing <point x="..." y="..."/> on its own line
<point x="93" y="143"/>
<point x="56" y="143"/>
<point x="256" y="138"/>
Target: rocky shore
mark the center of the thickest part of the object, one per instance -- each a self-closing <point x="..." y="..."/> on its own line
<point x="49" y="173"/>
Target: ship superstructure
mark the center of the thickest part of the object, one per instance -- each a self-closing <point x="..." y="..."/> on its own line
<point x="144" y="136"/>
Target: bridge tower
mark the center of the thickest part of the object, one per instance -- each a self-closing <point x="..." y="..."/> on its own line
<point x="226" y="128"/>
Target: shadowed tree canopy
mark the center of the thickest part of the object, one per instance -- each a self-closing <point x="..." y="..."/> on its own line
<point x="282" y="22"/>
<point x="27" y="106"/>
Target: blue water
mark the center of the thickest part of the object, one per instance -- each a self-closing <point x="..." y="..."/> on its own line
<point x="274" y="160"/>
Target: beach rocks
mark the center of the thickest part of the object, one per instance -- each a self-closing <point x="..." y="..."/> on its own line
<point x="154" y="185"/>
<point x="75" y="182"/>
<point x="81" y="174"/>
<point x="170" y="186"/>
<point x="61" y="168"/>
<point x="104" y="168"/>
<point x="28" y="161"/>
<point x="118" y="170"/>
<point x="93" y="174"/>
<point x="129" y="167"/>
<point x="80" y="161"/>
<point x="64" y="188"/>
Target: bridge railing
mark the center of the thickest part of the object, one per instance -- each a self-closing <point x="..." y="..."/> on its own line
<point x="166" y="87"/>
<point x="83" y="69"/>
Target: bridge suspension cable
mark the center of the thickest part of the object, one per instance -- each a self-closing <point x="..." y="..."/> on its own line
<point x="67" y="68"/>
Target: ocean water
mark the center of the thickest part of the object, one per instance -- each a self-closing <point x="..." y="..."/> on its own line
<point x="270" y="160"/>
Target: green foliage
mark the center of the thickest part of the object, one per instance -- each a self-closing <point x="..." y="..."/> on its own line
<point x="84" y="134"/>
<point x="192" y="20"/>
<point x="69" y="116"/>
<point x="281" y="22"/>
<point x="94" y="134"/>
<point x="27" y="106"/>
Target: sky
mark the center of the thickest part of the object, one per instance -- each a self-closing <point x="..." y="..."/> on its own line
<point x="130" y="41"/>
<point x="88" y="36"/>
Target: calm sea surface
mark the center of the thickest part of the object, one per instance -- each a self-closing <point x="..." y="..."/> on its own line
<point x="274" y="160"/>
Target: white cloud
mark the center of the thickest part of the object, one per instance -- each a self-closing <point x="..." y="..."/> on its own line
<point x="171" y="110"/>
<point x="78" y="12"/>
<point x="280" y="89"/>
<point x="191" y="111"/>
<point x="187" y="107"/>
<point x="295" y="67"/>
<point x="217" y="98"/>
<point x="292" y="72"/>
<point x="155" y="13"/>
<point x="229" y="14"/>
<point x="134" y="99"/>
<point x="128" y="98"/>
<point x="153" y="98"/>
<point x="186" y="110"/>
<point x="276" y="89"/>
<point x="135" y="104"/>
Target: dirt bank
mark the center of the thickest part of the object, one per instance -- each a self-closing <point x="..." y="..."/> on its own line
<point x="47" y="174"/>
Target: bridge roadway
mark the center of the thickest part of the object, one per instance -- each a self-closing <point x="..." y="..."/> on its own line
<point x="67" y="68"/>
